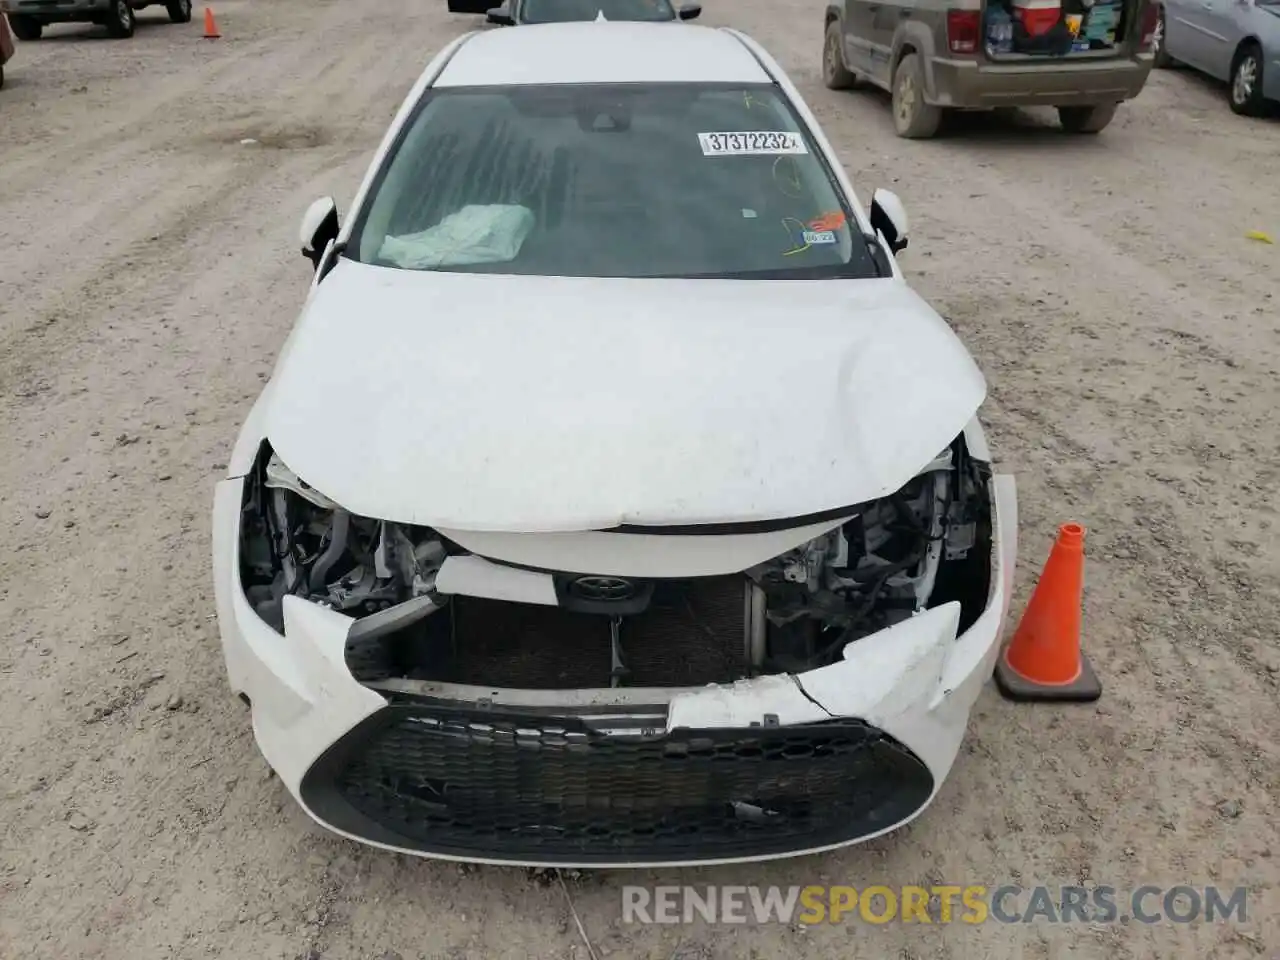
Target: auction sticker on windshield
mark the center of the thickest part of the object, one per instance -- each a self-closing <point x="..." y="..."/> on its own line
<point x="751" y="144"/>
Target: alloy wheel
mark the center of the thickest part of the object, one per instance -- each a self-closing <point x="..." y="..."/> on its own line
<point x="1245" y="78"/>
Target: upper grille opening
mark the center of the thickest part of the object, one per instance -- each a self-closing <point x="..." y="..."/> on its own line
<point x="692" y="633"/>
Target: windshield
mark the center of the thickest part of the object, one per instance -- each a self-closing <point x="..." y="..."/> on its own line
<point x="671" y="180"/>
<point x="556" y="11"/>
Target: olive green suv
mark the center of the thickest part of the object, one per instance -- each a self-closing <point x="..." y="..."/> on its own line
<point x="936" y="56"/>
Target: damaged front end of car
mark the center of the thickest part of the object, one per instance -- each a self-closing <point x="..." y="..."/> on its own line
<point x="634" y="696"/>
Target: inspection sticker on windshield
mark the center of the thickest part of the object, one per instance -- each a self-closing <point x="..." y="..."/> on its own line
<point x="751" y="144"/>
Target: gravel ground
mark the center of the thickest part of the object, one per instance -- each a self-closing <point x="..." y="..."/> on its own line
<point x="1128" y="330"/>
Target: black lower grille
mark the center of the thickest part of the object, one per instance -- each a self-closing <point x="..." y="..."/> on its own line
<point x="523" y="788"/>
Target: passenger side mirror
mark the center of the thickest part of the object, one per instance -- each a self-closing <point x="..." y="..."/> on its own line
<point x="889" y="218"/>
<point x="501" y="16"/>
<point x="690" y="11"/>
<point x="319" y="228"/>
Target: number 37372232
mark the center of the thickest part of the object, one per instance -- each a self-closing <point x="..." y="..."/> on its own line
<point x="752" y="143"/>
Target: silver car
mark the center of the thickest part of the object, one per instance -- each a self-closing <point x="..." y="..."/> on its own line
<point x="1233" y="40"/>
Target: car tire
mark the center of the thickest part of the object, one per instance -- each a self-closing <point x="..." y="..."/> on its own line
<point x="1245" y="92"/>
<point x="913" y="118"/>
<point x="26" y="28"/>
<point x="1087" y="119"/>
<point x="472" y="6"/>
<point x="120" y="20"/>
<point x="835" y="74"/>
<point x="179" y="10"/>
<point x="1159" y="49"/>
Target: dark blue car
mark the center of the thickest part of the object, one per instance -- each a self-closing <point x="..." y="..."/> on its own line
<point x="515" y="12"/>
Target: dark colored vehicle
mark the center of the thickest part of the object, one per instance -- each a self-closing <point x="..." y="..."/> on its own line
<point x="6" y="46"/>
<point x="30" y="17"/>
<point x="515" y="12"/>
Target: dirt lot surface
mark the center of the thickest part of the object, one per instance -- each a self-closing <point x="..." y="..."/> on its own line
<point x="1128" y="330"/>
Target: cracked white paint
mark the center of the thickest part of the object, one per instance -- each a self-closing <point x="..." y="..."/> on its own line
<point x="878" y="677"/>
<point x="888" y="673"/>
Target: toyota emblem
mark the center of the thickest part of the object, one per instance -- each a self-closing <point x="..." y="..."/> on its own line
<point x="603" y="588"/>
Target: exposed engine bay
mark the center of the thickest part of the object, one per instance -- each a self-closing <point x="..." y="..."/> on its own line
<point x="927" y="544"/>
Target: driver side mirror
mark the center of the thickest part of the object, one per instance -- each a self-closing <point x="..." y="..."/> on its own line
<point x="690" y="11"/>
<point x="501" y="16"/>
<point x="889" y="218"/>
<point x="319" y="228"/>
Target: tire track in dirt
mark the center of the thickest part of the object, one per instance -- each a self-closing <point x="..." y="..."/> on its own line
<point x="161" y="213"/>
<point x="155" y="753"/>
<point x="182" y="84"/>
<point x="154" y="357"/>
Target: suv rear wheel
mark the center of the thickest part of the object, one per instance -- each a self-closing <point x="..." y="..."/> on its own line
<point x="179" y="10"/>
<point x="834" y="73"/>
<point x="1086" y="119"/>
<point x="26" y="28"/>
<point x="913" y="118"/>
<point x="120" y="19"/>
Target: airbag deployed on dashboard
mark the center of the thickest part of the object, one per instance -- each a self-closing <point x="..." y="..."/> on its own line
<point x="478" y="233"/>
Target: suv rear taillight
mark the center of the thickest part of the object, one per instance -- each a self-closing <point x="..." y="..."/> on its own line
<point x="1150" y="18"/>
<point x="963" y="30"/>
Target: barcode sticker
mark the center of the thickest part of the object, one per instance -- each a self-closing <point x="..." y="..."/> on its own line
<point x="751" y="144"/>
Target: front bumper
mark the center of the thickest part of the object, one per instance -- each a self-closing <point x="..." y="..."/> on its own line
<point x="975" y="84"/>
<point x="769" y="767"/>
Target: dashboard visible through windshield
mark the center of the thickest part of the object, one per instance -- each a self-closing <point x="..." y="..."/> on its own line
<point x="675" y="180"/>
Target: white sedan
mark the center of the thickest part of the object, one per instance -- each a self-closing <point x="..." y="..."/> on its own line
<point x="614" y="501"/>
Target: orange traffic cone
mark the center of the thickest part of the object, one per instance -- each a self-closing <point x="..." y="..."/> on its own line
<point x="1044" y="661"/>
<point x="210" y="26"/>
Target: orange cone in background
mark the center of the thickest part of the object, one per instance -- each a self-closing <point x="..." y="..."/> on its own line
<point x="1044" y="661"/>
<point x="210" y="26"/>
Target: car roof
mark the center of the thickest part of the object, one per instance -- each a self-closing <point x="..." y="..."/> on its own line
<point x="601" y="52"/>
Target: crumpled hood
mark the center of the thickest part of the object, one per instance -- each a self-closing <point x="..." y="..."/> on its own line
<point x="531" y="404"/>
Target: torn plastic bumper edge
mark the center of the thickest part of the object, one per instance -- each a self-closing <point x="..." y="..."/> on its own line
<point x="917" y="681"/>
